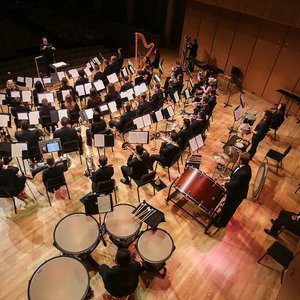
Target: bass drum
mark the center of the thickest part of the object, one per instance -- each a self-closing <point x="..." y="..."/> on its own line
<point x="200" y="188"/>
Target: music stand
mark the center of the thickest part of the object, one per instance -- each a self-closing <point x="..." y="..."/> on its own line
<point x="238" y="113"/>
<point x="138" y="137"/>
<point x="103" y="141"/>
<point x="5" y="122"/>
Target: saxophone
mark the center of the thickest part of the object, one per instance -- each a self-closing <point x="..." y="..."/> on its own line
<point x="90" y="166"/>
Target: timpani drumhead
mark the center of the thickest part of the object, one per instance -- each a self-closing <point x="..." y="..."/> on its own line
<point x="121" y="223"/>
<point x="59" y="278"/>
<point x="155" y="246"/>
<point x="76" y="233"/>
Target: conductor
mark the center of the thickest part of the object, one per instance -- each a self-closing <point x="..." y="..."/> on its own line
<point x="47" y="51"/>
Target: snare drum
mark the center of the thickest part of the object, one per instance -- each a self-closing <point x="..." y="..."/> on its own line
<point x="155" y="247"/>
<point x="200" y="188"/>
<point x="59" y="278"/>
<point x="250" y="116"/>
<point x="121" y="223"/>
<point x="77" y="234"/>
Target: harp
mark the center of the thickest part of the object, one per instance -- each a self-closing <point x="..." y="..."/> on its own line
<point x="142" y="50"/>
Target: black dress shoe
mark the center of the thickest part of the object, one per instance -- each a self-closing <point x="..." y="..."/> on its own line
<point x="272" y="221"/>
<point x="124" y="181"/>
<point x="269" y="232"/>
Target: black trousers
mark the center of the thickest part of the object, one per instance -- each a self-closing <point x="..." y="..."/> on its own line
<point x="254" y="144"/>
<point x="126" y="172"/>
<point x="285" y="220"/>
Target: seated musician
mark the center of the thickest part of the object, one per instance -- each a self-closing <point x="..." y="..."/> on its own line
<point x="278" y="116"/>
<point x="67" y="134"/>
<point x="204" y="105"/>
<point x="105" y="172"/>
<point x="120" y="58"/>
<point x="127" y="85"/>
<point x="19" y="108"/>
<point x="113" y="95"/>
<point x="53" y="171"/>
<point x="98" y="75"/>
<point x="11" y="181"/>
<point x="155" y="63"/>
<point x="139" y="79"/>
<point x="81" y="79"/>
<point x="94" y="99"/>
<point x="137" y="165"/>
<point x="31" y="137"/>
<point x="184" y="134"/>
<point x="175" y="85"/>
<point x="107" y="68"/>
<point x="177" y="69"/>
<point x="125" y="118"/>
<point x="147" y="74"/>
<point x="211" y="84"/>
<point x="157" y="99"/>
<point x="65" y="87"/>
<point x="212" y="100"/>
<point x="167" y="152"/>
<point x="10" y="87"/>
<point x="38" y="89"/>
<point x="144" y="105"/>
<point x="199" y="124"/>
<point x="73" y="109"/>
<point x="115" y="67"/>
<point x="122" y="279"/>
<point x="198" y="85"/>
<point x="45" y="115"/>
<point x="98" y="126"/>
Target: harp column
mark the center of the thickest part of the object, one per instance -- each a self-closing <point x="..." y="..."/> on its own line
<point x="169" y="20"/>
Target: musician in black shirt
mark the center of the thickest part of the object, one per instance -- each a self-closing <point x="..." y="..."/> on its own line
<point x="47" y="51"/>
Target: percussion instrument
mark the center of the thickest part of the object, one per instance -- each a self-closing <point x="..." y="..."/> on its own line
<point x="77" y="234"/>
<point x="59" y="278"/>
<point x="121" y="224"/>
<point x="194" y="161"/>
<point x="155" y="247"/>
<point x="232" y="153"/>
<point x="200" y="188"/>
<point x="221" y="158"/>
<point x="244" y="128"/>
<point x="250" y="116"/>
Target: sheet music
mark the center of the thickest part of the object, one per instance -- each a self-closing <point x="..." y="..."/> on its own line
<point x="112" y="106"/>
<point x="34" y="117"/>
<point x="176" y="97"/>
<point x="80" y="90"/>
<point x="64" y="93"/>
<point x="87" y="71"/>
<point x="96" y="59"/>
<point x="124" y="71"/>
<point x="88" y="64"/>
<point x="130" y="63"/>
<point x="238" y="113"/>
<point x="47" y="80"/>
<point x="4" y="119"/>
<point x="191" y="82"/>
<point x="26" y="96"/>
<point x="35" y="79"/>
<point x="138" y="122"/>
<point x="99" y="140"/>
<point x="28" y="82"/>
<point x="156" y="78"/>
<point x="63" y="113"/>
<point x="187" y="93"/>
<point x="99" y="85"/>
<point x="21" y="79"/>
<point x="60" y="75"/>
<point x="15" y="94"/>
<point x="103" y="107"/>
<point x="193" y="144"/>
<point x="160" y="68"/>
<point x="49" y="97"/>
<point x="104" y="204"/>
<point x="159" y="115"/>
<point x="137" y="90"/>
<point x="112" y="78"/>
<point x="89" y="113"/>
<point x="138" y="137"/>
<point x="130" y="93"/>
<point x="131" y="69"/>
<point x="87" y="87"/>
<point x="147" y="120"/>
<point x="59" y="64"/>
<point x="170" y="111"/>
<point x="92" y="64"/>
<point x="199" y="141"/>
<point x="17" y="148"/>
<point x="73" y="73"/>
<point x="22" y="116"/>
<point x="143" y="87"/>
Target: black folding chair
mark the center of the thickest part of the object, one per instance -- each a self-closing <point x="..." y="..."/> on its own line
<point x="107" y="187"/>
<point x="278" y="156"/>
<point x="168" y="166"/>
<point x="71" y="146"/>
<point x="54" y="184"/>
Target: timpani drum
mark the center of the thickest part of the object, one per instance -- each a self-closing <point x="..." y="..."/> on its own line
<point x="200" y="188"/>
<point x="155" y="247"/>
<point x="59" y="278"/>
<point x="77" y="234"/>
<point x="121" y="223"/>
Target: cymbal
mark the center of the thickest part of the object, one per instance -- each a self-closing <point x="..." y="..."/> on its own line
<point x="221" y="158"/>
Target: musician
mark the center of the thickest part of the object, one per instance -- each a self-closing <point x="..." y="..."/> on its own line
<point x="81" y="79"/>
<point x="193" y="47"/>
<point x="260" y="131"/>
<point x="98" y="75"/>
<point x="211" y="84"/>
<point x="137" y="165"/>
<point x="67" y="134"/>
<point x="175" y="84"/>
<point x="52" y="171"/>
<point x="198" y="85"/>
<point x="122" y="279"/>
<point x="212" y="100"/>
<point x="11" y="181"/>
<point x="10" y="87"/>
<point x="126" y="117"/>
<point x="29" y="136"/>
<point x="139" y="79"/>
<point x="144" y="105"/>
<point x="73" y="109"/>
<point x="113" y="95"/>
<point x="287" y="219"/>
<point x="155" y="63"/>
<point x="147" y="74"/>
<point x="167" y="152"/>
<point x="278" y="116"/>
<point x="47" y="51"/>
<point x="184" y="134"/>
<point x="107" y="69"/>
<point x="45" y="118"/>
<point x="157" y="99"/>
<point x="65" y="87"/>
<point x="199" y="124"/>
<point x="177" y="69"/>
<point x="19" y="108"/>
<point x="38" y="89"/>
<point x="98" y="126"/>
<point x="94" y="99"/>
<point x="120" y="58"/>
<point x="115" y="67"/>
<point x="237" y="189"/>
<point x="127" y="85"/>
<point x="105" y="172"/>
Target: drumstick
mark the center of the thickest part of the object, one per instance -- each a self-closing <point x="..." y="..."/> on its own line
<point x="144" y="212"/>
<point x="149" y="215"/>
<point x="140" y="208"/>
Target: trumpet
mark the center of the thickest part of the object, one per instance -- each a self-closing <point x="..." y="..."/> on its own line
<point x="129" y="147"/>
<point x="90" y="166"/>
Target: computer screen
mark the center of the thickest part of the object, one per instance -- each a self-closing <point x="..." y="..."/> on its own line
<point x="53" y="147"/>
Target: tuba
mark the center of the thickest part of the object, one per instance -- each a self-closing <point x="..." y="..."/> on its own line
<point x="142" y="50"/>
<point x="90" y="166"/>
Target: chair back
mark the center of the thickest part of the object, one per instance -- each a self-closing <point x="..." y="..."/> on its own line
<point x="147" y="178"/>
<point x="46" y="120"/>
<point x="106" y="186"/>
<point x="175" y="159"/>
<point x="286" y="152"/>
<point x="70" y="146"/>
<point x="4" y="192"/>
<point x="55" y="182"/>
<point x="129" y="126"/>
